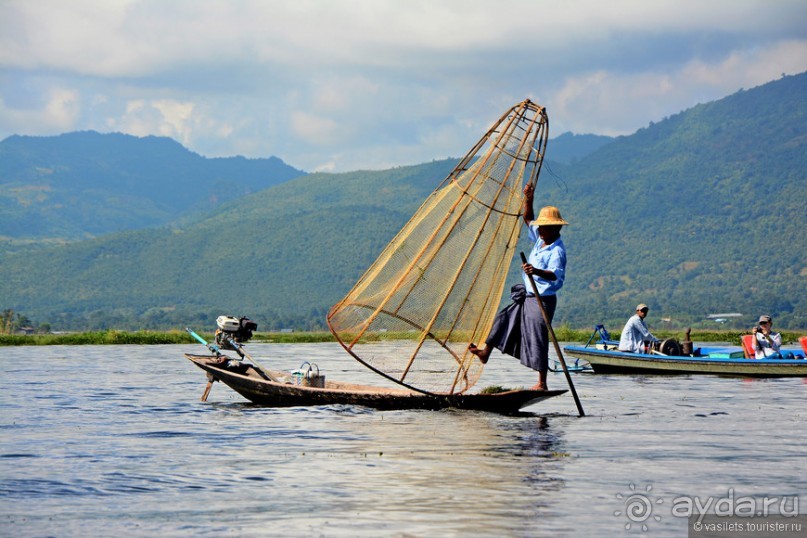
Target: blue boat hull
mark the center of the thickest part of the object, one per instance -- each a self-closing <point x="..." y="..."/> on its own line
<point x="721" y="363"/>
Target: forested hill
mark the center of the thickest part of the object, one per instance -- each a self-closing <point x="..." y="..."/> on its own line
<point x="87" y="184"/>
<point x="281" y="256"/>
<point x="699" y="213"/>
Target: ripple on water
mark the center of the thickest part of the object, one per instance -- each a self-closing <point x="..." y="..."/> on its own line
<point x="110" y="440"/>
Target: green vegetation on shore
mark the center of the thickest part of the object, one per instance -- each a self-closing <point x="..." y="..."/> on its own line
<point x="99" y="338"/>
<point x="563" y="333"/>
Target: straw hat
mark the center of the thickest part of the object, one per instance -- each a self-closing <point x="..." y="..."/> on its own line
<point x="549" y="215"/>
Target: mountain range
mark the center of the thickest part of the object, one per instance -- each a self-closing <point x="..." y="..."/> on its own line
<point x="86" y="184"/>
<point x="699" y="213"/>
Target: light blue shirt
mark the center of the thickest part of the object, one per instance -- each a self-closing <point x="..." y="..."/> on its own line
<point x="549" y="257"/>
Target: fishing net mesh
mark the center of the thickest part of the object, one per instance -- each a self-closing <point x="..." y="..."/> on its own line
<point x="437" y="286"/>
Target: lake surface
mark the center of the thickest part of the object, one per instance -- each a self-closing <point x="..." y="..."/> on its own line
<point x="113" y="440"/>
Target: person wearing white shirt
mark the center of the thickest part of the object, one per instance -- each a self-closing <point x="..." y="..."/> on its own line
<point x="766" y="342"/>
<point x="636" y="333"/>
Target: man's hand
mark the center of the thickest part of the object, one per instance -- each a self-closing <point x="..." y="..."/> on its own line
<point x="542" y="273"/>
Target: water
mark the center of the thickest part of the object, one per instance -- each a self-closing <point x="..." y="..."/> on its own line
<point x="113" y="441"/>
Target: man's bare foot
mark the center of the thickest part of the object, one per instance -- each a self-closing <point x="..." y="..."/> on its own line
<point x="483" y="354"/>
<point x="539" y="386"/>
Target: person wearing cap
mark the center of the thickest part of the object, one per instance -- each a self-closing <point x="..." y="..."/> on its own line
<point x="636" y="333"/>
<point x="767" y="343"/>
<point x="519" y="329"/>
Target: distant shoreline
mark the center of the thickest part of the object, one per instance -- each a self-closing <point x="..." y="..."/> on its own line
<point x="113" y="337"/>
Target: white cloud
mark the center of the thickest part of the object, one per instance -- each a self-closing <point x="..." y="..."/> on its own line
<point x="369" y="83"/>
<point x="62" y="107"/>
<point x="750" y="67"/>
<point x="314" y="128"/>
<point x="56" y="113"/>
<point x="162" y="117"/>
<point x="606" y="102"/>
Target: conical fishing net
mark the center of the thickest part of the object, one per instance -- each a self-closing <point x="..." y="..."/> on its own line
<point x="437" y="286"/>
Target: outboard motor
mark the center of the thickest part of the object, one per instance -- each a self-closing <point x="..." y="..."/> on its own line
<point x="237" y="329"/>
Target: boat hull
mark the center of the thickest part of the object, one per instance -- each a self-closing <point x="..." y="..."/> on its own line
<point x="603" y="361"/>
<point x="269" y="393"/>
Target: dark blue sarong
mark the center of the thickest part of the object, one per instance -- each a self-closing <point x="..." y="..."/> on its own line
<point x="519" y="329"/>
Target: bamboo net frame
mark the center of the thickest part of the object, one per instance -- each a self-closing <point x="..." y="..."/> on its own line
<point x="437" y="285"/>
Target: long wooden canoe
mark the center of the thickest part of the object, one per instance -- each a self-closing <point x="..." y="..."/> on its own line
<point x="717" y="361"/>
<point x="246" y="381"/>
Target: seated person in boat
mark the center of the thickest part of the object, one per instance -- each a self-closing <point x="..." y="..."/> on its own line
<point x="766" y="342"/>
<point x="636" y="333"/>
<point x="519" y="329"/>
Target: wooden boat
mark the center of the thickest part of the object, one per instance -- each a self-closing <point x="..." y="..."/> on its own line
<point x="246" y="380"/>
<point x="708" y="360"/>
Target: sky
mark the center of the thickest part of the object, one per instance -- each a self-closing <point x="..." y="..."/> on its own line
<point x="343" y="85"/>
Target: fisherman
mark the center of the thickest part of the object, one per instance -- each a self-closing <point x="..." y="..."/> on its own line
<point x="519" y="329"/>
<point x="635" y="335"/>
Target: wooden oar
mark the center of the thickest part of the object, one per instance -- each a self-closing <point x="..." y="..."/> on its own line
<point x="554" y="341"/>
<point x="210" y="380"/>
<point x="213" y="348"/>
